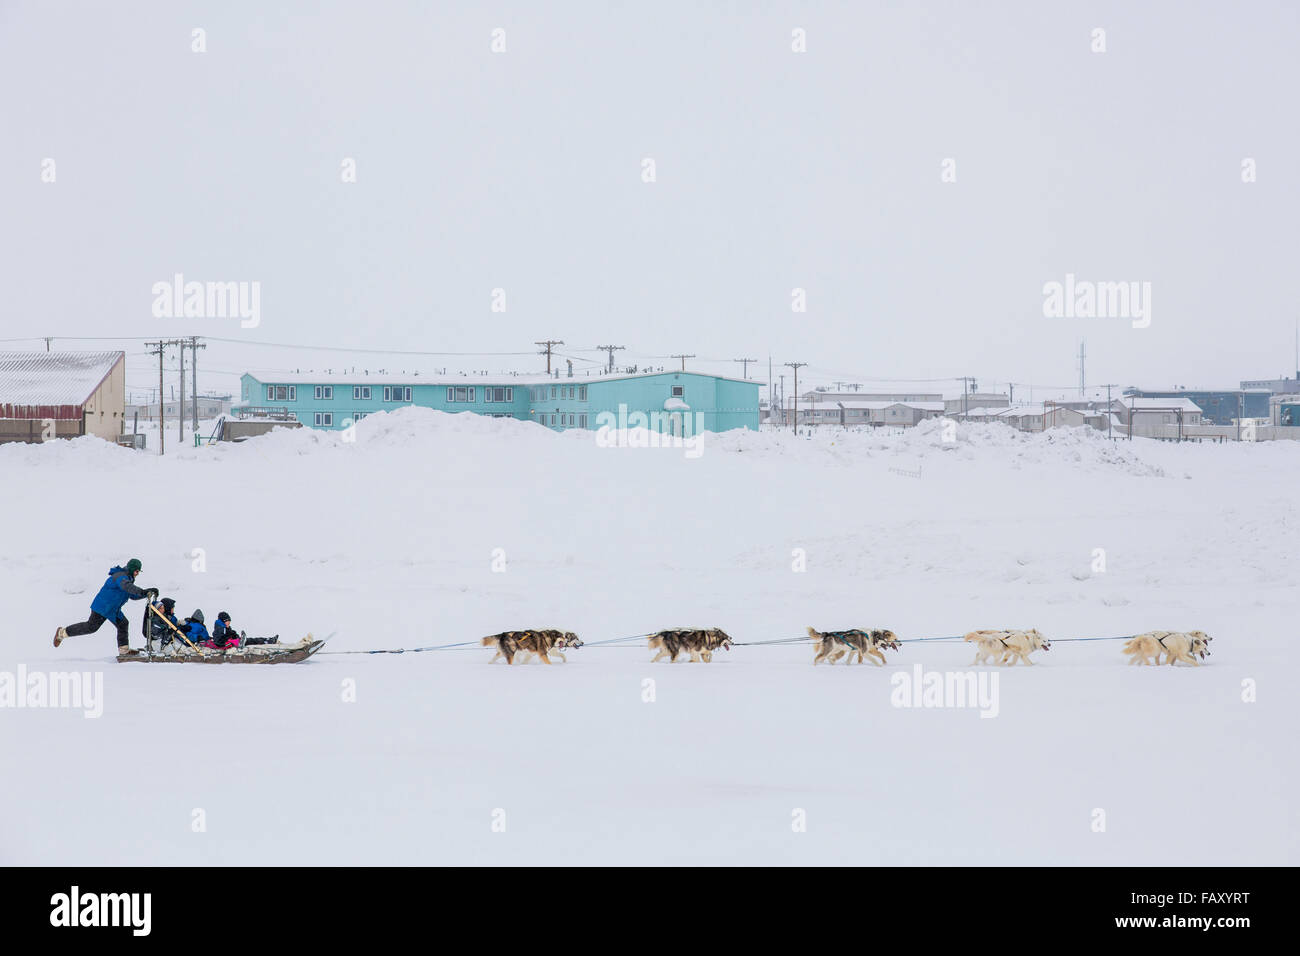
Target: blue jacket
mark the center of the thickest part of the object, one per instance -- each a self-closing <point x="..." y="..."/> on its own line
<point x="117" y="590"/>
<point x="195" y="631"/>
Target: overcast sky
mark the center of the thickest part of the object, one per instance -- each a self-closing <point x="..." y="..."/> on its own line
<point x="775" y="170"/>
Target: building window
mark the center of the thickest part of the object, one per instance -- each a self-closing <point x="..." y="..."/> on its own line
<point x="461" y="393"/>
<point x="281" y="393"/>
<point x="582" y="421"/>
<point x="324" y="393"/>
<point x="397" y="393"/>
<point x="679" y="391"/>
<point x="582" y="393"/>
<point x="324" y="420"/>
<point x="552" y="418"/>
<point x="361" y="393"/>
<point x="357" y="416"/>
<point x="498" y="394"/>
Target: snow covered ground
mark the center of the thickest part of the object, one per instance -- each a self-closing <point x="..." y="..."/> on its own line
<point x="391" y="540"/>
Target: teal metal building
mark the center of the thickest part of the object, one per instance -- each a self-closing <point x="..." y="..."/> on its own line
<point x="669" y="402"/>
<point x="1217" y="407"/>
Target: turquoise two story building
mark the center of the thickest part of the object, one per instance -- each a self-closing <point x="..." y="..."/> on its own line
<point x="669" y="402"/>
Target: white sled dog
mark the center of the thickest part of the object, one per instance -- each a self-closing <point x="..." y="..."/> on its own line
<point x="1003" y="647"/>
<point x="1183" y="646"/>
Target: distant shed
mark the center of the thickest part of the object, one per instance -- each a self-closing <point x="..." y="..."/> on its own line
<point x="61" y="395"/>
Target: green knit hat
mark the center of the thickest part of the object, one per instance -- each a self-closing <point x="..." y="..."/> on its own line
<point x="134" y="566"/>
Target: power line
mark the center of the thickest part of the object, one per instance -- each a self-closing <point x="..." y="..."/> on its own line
<point x="256" y="344"/>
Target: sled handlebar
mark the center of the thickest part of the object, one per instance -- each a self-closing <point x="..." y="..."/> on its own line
<point x="179" y="632"/>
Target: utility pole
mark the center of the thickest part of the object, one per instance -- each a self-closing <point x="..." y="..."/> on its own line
<point x="194" y="377"/>
<point x="180" y="416"/>
<point x="782" y="397"/>
<point x="161" y="395"/>
<point x="771" y="394"/>
<point x="549" y="343"/>
<point x="965" y="403"/>
<point x="744" y="364"/>
<point x="796" y="366"/>
<point x="1082" y="357"/>
<point x="1109" y="416"/>
<point x="611" y="349"/>
<point x="683" y="358"/>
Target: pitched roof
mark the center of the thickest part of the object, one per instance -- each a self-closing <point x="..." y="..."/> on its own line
<point x="1161" y="404"/>
<point x="53" y="378"/>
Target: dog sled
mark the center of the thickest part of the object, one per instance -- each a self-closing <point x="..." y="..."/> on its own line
<point x="181" y="650"/>
<point x="255" y="654"/>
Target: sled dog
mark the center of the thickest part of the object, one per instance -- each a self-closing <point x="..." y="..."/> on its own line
<point x="830" y="646"/>
<point x="529" y="643"/>
<point x="1183" y="646"/>
<point x="1008" y="647"/>
<point x="1145" y="648"/>
<point x="700" y="643"/>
